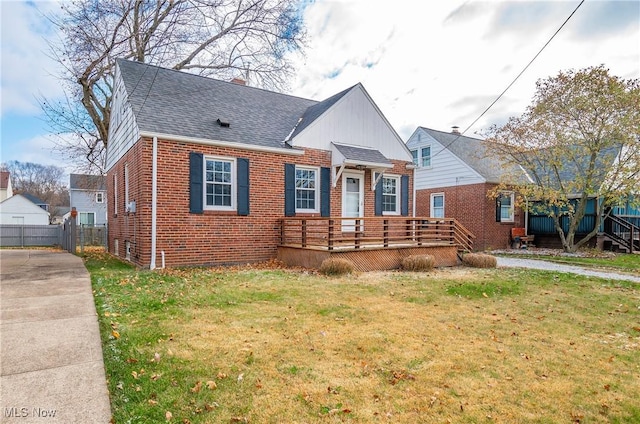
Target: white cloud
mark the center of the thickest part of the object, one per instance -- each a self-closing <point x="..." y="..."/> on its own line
<point x="444" y="64"/>
<point x="26" y="68"/>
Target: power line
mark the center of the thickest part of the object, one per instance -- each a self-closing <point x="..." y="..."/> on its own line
<point x="514" y="80"/>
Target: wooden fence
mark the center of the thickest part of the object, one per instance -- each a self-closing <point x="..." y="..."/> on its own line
<point x="66" y="235"/>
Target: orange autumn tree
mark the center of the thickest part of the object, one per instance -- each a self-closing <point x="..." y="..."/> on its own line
<point x="578" y="140"/>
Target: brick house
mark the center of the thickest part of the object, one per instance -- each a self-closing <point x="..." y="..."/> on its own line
<point x="201" y="171"/>
<point x="453" y="177"/>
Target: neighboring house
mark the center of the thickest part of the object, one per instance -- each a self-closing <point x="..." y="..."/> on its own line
<point x="453" y="177"/>
<point x="201" y="171"/>
<point x="20" y="210"/>
<point x="5" y="185"/>
<point x="36" y="201"/>
<point x="609" y="233"/>
<point x="88" y="194"/>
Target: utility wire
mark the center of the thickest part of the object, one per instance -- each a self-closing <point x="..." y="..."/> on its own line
<point x="512" y="82"/>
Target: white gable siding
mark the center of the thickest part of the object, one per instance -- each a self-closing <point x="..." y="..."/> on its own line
<point x="446" y="170"/>
<point x="123" y="129"/>
<point x="354" y="120"/>
<point x="18" y="210"/>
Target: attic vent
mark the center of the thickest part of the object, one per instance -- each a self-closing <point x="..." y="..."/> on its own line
<point x="455" y="129"/>
<point x="223" y="123"/>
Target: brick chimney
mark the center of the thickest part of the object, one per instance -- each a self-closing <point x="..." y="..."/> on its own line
<point x="239" y="81"/>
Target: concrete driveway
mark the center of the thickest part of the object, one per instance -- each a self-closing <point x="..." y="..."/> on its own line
<point x="551" y="266"/>
<point x="51" y="367"/>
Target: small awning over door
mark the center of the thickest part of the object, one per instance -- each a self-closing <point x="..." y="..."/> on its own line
<point x="343" y="155"/>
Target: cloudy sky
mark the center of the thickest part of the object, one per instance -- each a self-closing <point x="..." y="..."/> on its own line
<point x="438" y="65"/>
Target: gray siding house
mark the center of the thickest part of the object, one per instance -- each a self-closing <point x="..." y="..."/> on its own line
<point x="88" y="194"/>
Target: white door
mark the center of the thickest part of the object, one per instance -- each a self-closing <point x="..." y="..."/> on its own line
<point x="352" y="199"/>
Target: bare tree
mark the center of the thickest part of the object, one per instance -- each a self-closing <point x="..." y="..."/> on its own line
<point x="42" y="181"/>
<point x="579" y="140"/>
<point x="221" y="38"/>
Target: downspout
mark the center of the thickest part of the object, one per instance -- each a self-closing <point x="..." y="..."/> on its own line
<point x="526" y="216"/>
<point x="413" y="206"/>
<point x="154" y="201"/>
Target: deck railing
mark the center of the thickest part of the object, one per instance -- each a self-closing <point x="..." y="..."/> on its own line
<point x="333" y="233"/>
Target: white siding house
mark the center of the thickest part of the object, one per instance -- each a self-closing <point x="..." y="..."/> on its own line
<point x="88" y="194"/>
<point x="18" y="210"/>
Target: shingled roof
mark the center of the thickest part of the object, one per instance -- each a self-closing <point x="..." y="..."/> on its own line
<point x="87" y="182"/>
<point x="472" y="151"/>
<point x="171" y="102"/>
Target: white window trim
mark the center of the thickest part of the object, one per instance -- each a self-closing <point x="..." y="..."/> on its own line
<point x="115" y="194"/>
<point x="416" y="160"/>
<point x="398" y="193"/>
<point x="86" y="213"/>
<point x="432" y="207"/>
<point x="99" y="197"/>
<point x="317" y="189"/>
<point x="126" y="186"/>
<point x="234" y="184"/>
<point x="512" y="207"/>
<point x="421" y="158"/>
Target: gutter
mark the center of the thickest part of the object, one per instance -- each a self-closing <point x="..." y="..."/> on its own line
<point x="220" y="143"/>
<point x="154" y="202"/>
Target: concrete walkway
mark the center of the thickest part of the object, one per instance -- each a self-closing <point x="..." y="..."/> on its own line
<point x="51" y="367"/>
<point x="551" y="266"/>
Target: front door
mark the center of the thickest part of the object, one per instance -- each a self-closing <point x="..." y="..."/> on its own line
<point x="352" y="199"/>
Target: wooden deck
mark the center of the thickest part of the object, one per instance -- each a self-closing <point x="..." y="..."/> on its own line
<point x="377" y="243"/>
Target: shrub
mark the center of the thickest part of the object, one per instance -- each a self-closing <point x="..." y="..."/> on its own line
<point x="479" y="260"/>
<point x="418" y="263"/>
<point x="337" y="266"/>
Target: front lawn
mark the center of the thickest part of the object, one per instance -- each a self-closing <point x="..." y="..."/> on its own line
<point x="269" y="345"/>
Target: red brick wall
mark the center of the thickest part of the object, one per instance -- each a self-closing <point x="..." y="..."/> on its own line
<point x="214" y="237"/>
<point x="470" y="206"/>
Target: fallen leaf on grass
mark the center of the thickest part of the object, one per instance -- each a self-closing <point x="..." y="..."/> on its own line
<point x="211" y="385"/>
<point x="197" y="387"/>
<point x="168" y="415"/>
<point x="115" y="334"/>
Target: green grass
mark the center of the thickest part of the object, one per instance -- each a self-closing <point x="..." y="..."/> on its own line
<point x="454" y="345"/>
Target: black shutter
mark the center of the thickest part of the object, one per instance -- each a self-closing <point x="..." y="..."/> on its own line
<point x="243" y="186"/>
<point x="196" y="179"/>
<point x="498" y="209"/>
<point x="325" y="192"/>
<point x="378" y="196"/>
<point x="289" y="189"/>
<point x="404" y="200"/>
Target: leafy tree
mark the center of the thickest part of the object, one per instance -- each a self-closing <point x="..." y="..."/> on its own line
<point x="579" y="139"/>
<point x="221" y="38"/>
<point x="42" y="181"/>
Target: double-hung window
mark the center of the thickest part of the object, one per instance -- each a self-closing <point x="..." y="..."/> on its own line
<point x="307" y="189"/>
<point x="414" y="154"/>
<point x="99" y="197"/>
<point x="437" y="205"/>
<point x="506" y="201"/>
<point x="425" y="154"/>
<point x="220" y="184"/>
<point x="390" y="195"/>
